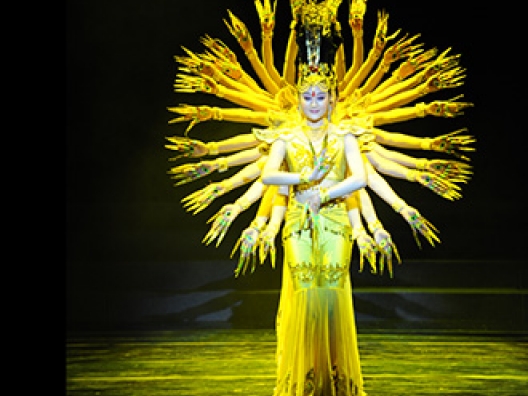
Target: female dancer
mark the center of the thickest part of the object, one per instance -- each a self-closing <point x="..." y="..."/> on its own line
<point x="317" y="349"/>
<point x="312" y="164"/>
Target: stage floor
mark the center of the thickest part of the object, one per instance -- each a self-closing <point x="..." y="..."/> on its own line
<point x="241" y="362"/>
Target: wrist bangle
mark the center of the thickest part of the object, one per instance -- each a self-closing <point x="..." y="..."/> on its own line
<point x="425" y="143"/>
<point x="255" y="225"/>
<point x="243" y="203"/>
<point x="217" y="116"/>
<point x="227" y="185"/>
<point x="420" y="109"/>
<point x="398" y="206"/>
<point x="356" y="233"/>
<point x="374" y="226"/>
<point x="212" y="148"/>
<point x="323" y="195"/>
<point x="411" y="174"/>
<point x="222" y="164"/>
<point x="304" y="177"/>
<point x="421" y="164"/>
<point x="272" y="229"/>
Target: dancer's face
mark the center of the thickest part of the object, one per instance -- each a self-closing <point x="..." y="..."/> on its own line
<point x="314" y="103"/>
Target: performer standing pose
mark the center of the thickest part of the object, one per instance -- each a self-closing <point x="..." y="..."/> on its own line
<point x="311" y="165"/>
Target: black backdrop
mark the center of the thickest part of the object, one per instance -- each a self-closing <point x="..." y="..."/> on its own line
<point x="121" y="206"/>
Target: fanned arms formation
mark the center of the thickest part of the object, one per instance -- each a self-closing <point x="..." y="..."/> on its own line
<point x="369" y="96"/>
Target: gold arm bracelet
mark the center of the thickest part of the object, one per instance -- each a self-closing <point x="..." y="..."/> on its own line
<point x="356" y="233"/>
<point x="212" y="148"/>
<point x="398" y="206"/>
<point x="222" y="164"/>
<point x="323" y="194"/>
<point x="425" y="144"/>
<point x="411" y="174"/>
<point x="420" y="109"/>
<point x="304" y="177"/>
<point x="421" y="163"/>
<point x="243" y="203"/>
<point x="374" y="226"/>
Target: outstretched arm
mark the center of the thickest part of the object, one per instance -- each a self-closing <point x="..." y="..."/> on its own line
<point x="197" y="114"/>
<point x="189" y="172"/>
<point x="366" y="245"/>
<point x="225" y="216"/>
<point x="196" y="148"/>
<point x="418" y="223"/>
<point x="241" y="33"/>
<point x="267" y="22"/>
<point x="201" y="199"/>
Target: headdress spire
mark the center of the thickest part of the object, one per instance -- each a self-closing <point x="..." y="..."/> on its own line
<point x="318" y="39"/>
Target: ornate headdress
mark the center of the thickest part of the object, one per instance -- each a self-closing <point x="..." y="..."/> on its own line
<point x="318" y="38"/>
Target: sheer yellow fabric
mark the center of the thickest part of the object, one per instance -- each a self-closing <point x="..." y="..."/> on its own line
<point x="317" y="352"/>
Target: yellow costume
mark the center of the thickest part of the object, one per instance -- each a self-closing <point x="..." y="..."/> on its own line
<point x="321" y="193"/>
<point x="317" y="350"/>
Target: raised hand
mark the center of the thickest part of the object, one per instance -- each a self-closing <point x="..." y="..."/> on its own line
<point x="447" y="108"/>
<point x="296" y="6"/>
<point x="381" y="38"/>
<point x="420" y="224"/>
<point x="194" y="114"/>
<point x="201" y="199"/>
<point x="454" y="142"/>
<point x="221" y="223"/>
<point x="240" y="31"/>
<point x="322" y="165"/>
<point x="356" y="14"/>
<point x="456" y="171"/>
<point x="191" y="84"/>
<point x="442" y="80"/>
<point x="189" y="172"/>
<point x="443" y="187"/>
<point x="218" y="48"/>
<point x="187" y="147"/>
<point x="414" y="63"/>
<point x="266" y="15"/>
<point x="401" y="49"/>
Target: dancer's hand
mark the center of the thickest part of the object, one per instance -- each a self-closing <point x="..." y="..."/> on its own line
<point x="267" y="244"/>
<point x="186" y="147"/>
<point x="420" y="224"/>
<point x="367" y="249"/>
<point x="189" y="172"/>
<point x="453" y="143"/>
<point x="322" y="165"/>
<point x="266" y="15"/>
<point x="201" y="199"/>
<point x="386" y="248"/>
<point x="194" y="114"/>
<point x="455" y="171"/>
<point x="248" y="245"/>
<point x="240" y="31"/>
<point x="221" y="223"/>
<point x="314" y="202"/>
<point x="356" y="14"/>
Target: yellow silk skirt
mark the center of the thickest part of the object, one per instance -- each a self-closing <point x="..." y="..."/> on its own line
<point x="317" y="352"/>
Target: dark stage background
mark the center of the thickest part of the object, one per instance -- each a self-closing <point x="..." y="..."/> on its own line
<point x="134" y="258"/>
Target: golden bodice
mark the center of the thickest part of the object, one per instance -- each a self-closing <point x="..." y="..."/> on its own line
<point x="300" y="153"/>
